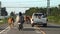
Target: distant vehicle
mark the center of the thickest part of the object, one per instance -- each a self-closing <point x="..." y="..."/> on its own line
<point x="38" y="19"/>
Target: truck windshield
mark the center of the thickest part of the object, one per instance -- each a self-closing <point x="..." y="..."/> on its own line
<point x="38" y="14"/>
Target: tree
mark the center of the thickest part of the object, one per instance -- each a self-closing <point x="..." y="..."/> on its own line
<point x="30" y="11"/>
<point x="35" y="10"/>
<point x="12" y="14"/>
<point x="3" y="11"/>
<point x="59" y="6"/>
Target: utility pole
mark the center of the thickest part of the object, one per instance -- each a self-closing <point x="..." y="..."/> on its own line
<point x="48" y="7"/>
<point x="0" y="8"/>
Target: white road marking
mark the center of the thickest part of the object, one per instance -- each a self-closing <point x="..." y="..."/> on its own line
<point x="37" y="31"/>
<point x="5" y="30"/>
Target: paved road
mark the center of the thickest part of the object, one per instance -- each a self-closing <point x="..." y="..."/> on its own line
<point x="3" y="26"/>
<point x="27" y="30"/>
<point x="50" y="29"/>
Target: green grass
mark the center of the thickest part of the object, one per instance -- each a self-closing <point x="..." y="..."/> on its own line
<point x="4" y="21"/>
<point x="54" y="19"/>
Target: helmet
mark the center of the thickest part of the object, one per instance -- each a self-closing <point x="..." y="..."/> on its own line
<point x="20" y="13"/>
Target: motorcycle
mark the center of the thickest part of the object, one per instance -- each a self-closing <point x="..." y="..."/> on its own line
<point x="20" y="26"/>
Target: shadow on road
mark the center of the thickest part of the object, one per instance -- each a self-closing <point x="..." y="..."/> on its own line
<point x="2" y="28"/>
<point x="28" y="29"/>
<point x="50" y="26"/>
<point x="53" y="26"/>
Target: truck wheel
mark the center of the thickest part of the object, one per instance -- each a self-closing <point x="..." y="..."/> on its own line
<point x="44" y="25"/>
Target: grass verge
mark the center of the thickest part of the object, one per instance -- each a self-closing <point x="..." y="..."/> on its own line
<point x="3" y="21"/>
<point x="54" y="19"/>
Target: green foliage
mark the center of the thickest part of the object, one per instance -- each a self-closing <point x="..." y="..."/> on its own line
<point x="54" y="19"/>
<point x="12" y="14"/>
<point x="54" y="13"/>
<point x="4" y="21"/>
<point x="3" y="11"/>
<point x="35" y="10"/>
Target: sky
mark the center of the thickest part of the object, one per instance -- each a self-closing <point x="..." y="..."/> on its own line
<point x="12" y="5"/>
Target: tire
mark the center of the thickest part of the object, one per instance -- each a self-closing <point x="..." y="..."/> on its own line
<point x="32" y="25"/>
<point x="44" y="25"/>
<point x="20" y="27"/>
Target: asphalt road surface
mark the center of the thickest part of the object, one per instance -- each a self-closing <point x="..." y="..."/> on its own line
<point x="50" y="29"/>
<point x="3" y="26"/>
<point x="26" y="30"/>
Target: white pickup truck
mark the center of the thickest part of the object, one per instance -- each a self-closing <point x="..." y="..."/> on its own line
<point x="38" y="19"/>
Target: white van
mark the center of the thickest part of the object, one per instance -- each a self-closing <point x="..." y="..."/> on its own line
<point x="38" y="19"/>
